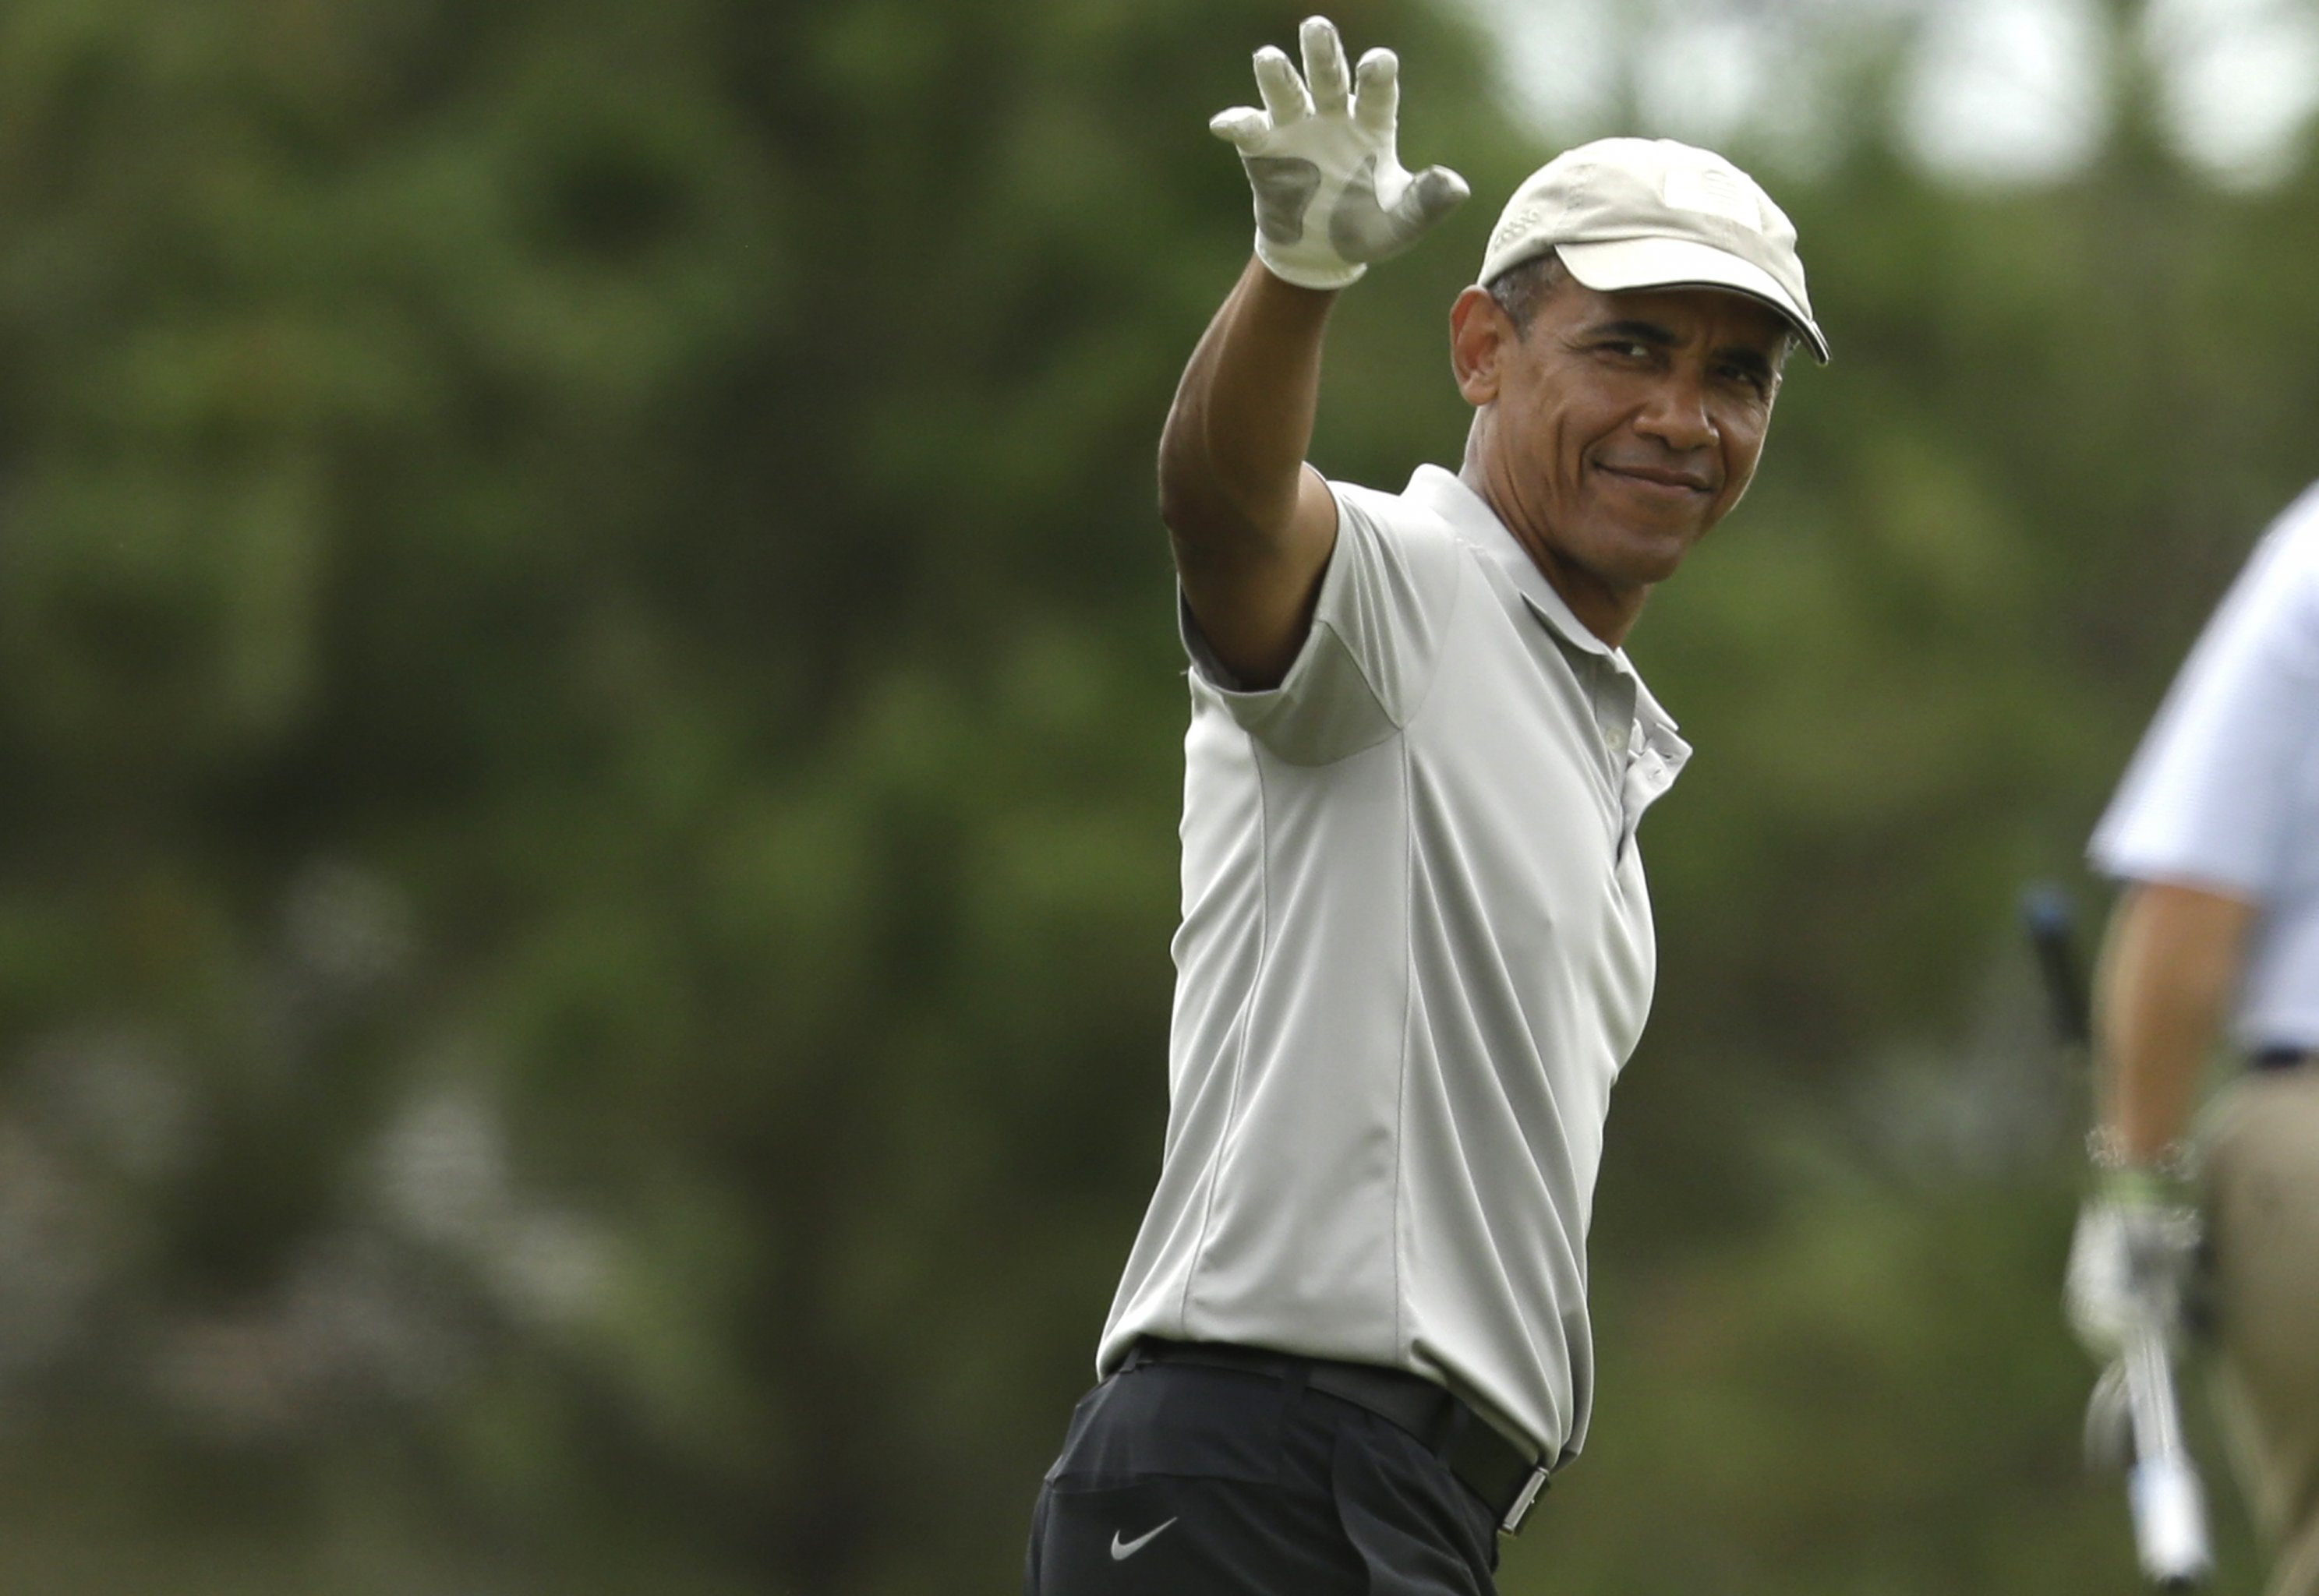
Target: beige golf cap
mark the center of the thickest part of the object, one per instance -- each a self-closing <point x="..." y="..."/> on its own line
<point x="1626" y="213"/>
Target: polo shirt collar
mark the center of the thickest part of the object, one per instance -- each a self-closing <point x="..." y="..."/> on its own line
<point x="1469" y="515"/>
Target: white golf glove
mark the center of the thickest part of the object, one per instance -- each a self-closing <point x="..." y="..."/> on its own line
<point x="2131" y="1263"/>
<point x="1330" y="193"/>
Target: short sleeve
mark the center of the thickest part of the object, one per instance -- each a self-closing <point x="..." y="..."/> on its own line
<point x="2210" y="796"/>
<point x="1383" y="608"/>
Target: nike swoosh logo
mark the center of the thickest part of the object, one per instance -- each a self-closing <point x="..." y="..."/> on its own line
<point x="1121" y="1550"/>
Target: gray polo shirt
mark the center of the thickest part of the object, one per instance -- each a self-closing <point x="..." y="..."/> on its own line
<point x="1415" y="950"/>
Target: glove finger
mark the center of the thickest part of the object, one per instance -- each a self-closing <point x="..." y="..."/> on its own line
<point x="1431" y="195"/>
<point x="1243" y="127"/>
<point x="1283" y="91"/>
<point x="1324" y="64"/>
<point x="1377" y="91"/>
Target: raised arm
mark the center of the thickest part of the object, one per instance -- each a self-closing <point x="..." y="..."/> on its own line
<point x="1251" y="523"/>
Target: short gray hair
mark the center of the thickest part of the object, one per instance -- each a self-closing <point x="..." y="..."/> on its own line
<point x="1527" y="284"/>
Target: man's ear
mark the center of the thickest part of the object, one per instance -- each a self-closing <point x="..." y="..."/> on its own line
<point x="1480" y="333"/>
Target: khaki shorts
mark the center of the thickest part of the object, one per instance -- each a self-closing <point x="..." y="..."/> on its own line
<point x="2261" y="1158"/>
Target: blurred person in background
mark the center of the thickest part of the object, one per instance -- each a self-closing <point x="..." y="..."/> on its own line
<point x="2214" y="835"/>
<point x="1351" y="1341"/>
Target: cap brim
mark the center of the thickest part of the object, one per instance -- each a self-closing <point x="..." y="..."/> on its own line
<point x="1621" y="265"/>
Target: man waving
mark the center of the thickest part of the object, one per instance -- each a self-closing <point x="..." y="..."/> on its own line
<point x="1351" y="1340"/>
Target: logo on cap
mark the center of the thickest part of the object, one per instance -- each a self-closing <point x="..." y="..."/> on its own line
<point x="1519" y="220"/>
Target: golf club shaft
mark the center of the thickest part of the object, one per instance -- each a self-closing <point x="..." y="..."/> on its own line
<point x="2170" y="1519"/>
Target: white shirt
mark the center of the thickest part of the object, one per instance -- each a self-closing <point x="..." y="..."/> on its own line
<point x="2224" y="792"/>
<point x="1416" y="950"/>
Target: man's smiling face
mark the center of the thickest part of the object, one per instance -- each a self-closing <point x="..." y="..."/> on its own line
<point x="1620" y="426"/>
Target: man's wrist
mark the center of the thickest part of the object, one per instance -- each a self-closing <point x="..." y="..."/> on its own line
<point x="2136" y="1186"/>
<point x="2164" y="1184"/>
<point x="1320" y="279"/>
<point x="2109" y="1153"/>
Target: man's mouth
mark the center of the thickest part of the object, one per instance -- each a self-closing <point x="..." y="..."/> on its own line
<point x="1665" y="478"/>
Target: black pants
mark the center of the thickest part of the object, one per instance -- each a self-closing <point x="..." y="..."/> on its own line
<point x="1182" y="1480"/>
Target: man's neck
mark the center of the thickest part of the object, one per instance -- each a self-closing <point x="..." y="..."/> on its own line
<point x="1608" y="612"/>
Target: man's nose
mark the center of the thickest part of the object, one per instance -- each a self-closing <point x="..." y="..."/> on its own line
<point x="1676" y="414"/>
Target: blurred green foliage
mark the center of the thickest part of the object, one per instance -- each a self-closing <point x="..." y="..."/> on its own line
<point x="591" y="717"/>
